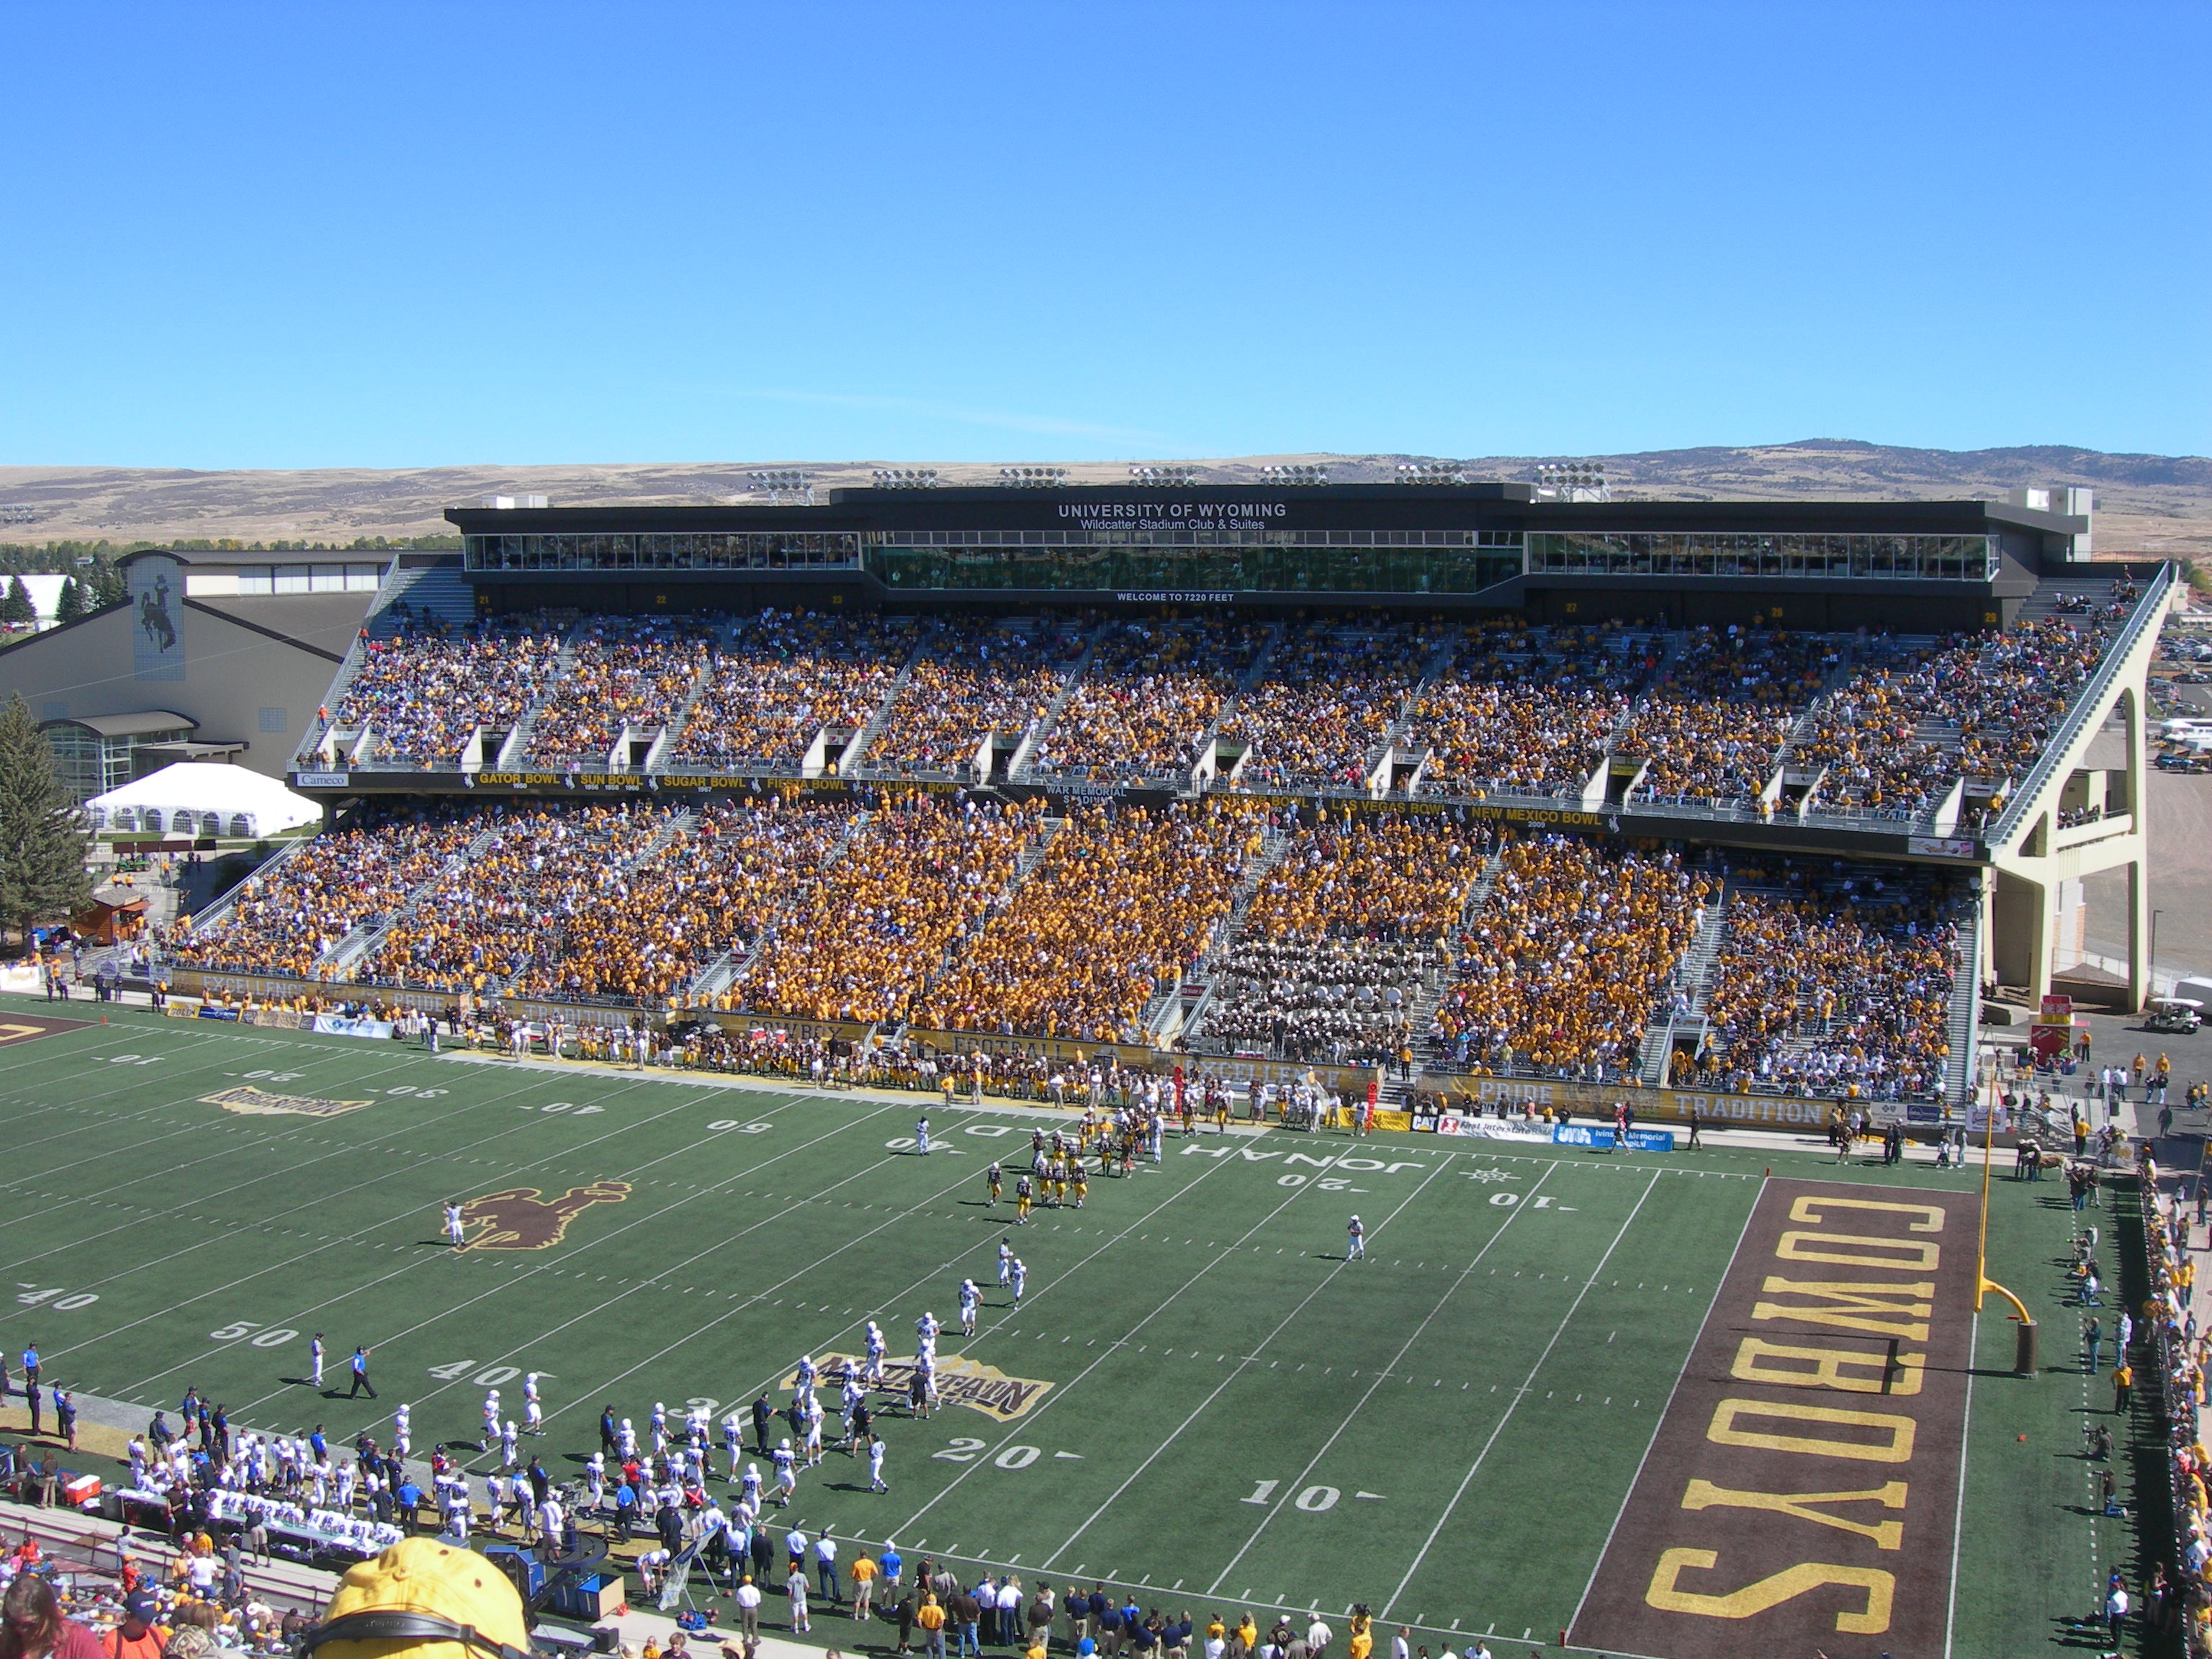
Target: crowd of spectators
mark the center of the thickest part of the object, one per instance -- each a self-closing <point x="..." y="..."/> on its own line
<point x="1122" y="902"/>
<point x="703" y="890"/>
<point x="1341" y="937"/>
<point x="1528" y="710"/>
<point x="1714" y="722"/>
<point x="784" y="677"/>
<point x="425" y="691"/>
<point x="976" y="679"/>
<point x="863" y="936"/>
<point x="289" y="919"/>
<point x="1910" y="720"/>
<point x="623" y="672"/>
<point x="1151" y="695"/>
<point x="1836" y="986"/>
<point x="507" y="907"/>
<point x="1560" y="969"/>
<point x="1327" y="696"/>
<point x="2177" y="1356"/>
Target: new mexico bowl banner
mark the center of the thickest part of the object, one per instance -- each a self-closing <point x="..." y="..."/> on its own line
<point x="959" y="1382"/>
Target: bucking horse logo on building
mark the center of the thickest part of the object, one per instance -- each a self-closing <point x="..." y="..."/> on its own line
<point x="524" y="1218"/>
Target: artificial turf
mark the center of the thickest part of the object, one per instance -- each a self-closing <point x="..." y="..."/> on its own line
<point x="1236" y="1416"/>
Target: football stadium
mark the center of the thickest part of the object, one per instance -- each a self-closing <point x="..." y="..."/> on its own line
<point x="1398" y="1058"/>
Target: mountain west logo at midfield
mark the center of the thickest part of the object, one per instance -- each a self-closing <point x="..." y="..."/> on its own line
<point x="960" y="1382"/>
<point x="523" y="1219"/>
<point x="256" y="1103"/>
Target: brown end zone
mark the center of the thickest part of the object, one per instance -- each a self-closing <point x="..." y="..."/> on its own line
<point x="1801" y="1491"/>
<point x="29" y="1028"/>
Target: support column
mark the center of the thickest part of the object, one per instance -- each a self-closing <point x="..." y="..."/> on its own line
<point x="2139" y="961"/>
<point x="2026" y="925"/>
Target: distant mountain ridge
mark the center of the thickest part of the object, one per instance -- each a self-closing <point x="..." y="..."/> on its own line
<point x="2147" y="505"/>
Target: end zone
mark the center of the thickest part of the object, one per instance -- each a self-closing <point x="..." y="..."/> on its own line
<point x="16" y="1028"/>
<point x="1801" y="1493"/>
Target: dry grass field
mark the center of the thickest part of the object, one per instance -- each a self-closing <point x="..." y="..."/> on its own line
<point x="2149" y="505"/>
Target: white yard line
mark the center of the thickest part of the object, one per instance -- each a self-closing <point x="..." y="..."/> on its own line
<point x="1520" y="1394"/>
<point x="1238" y="1369"/>
<point x="1060" y="1394"/>
<point x="1404" y="1348"/>
<point x="1742" y="1233"/>
<point x="1958" y="1513"/>
<point x="612" y="1233"/>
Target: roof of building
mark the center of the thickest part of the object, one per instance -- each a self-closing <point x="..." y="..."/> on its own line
<point x="134" y="725"/>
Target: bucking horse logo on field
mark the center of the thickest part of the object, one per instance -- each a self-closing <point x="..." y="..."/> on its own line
<point x="524" y="1218"/>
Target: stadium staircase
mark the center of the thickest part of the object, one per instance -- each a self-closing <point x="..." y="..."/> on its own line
<point x="1273" y="844"/>
<point x="434" y="590"/>
<point x="1026" y="859"/>
<point x="1021" y="766"/>
<point x="2148" y="616"/>
<point x="309" y="755"/>
<point x="676" y="824"/>
<point x="1692" y="978"/>
<point x="358" y="945"/>
<point x="210" y="920"/>
<point x="1963" y="1024"/>
<point x="664" y="740"/>
<point x="1478" y="894"/>
<point x="731" y="966"/>
<point x="1402" y="728"/>
<point x="1251" y="676"/>
<point x="516" y="750"/>
<point x="1801" y="727"/>
<point x="855" y="760"/>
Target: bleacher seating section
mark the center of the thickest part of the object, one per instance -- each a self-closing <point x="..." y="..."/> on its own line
<point x="1321" y="935"/>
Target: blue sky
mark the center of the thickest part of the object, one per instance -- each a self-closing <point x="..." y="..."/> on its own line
<point x="312" y="235"/>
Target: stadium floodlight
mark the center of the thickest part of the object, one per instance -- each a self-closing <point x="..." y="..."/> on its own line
<point x="1171" y="478"/>
<point x="1572" y="481"/>
<point x="905" y="478"/>
<point x="1432" y="472"/>
<point x="784" y="486"/>
<point x="1032" y="477"/>
<point x="1298" y="474"/>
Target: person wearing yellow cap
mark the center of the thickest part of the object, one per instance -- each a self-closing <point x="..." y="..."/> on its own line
<point x="421" y="1599"/>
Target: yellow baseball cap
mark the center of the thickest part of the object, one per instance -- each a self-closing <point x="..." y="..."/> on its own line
<point x="421" y="1599"/>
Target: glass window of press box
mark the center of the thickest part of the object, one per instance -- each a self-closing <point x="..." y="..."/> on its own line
<point x="1186" y="558"/>
<point x="1901" y="558"/>
<point x="741" y="549"/>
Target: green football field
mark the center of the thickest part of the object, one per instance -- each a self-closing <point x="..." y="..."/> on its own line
<point x="1214" y="1406"/>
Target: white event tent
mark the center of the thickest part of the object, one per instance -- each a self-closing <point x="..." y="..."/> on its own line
<point x="202" y="798"/>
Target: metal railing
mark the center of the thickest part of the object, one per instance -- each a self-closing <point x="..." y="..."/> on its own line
<point x="2088" y="705"/>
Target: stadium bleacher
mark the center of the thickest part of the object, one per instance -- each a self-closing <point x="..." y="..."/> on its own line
<point x="1442" y="938"/>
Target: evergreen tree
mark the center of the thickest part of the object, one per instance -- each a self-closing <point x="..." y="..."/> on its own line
<point x="70" y="604"/>
<point x="108" y="584"/>
<point x="43" y="838"/>
<point x="17" y="609"/>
